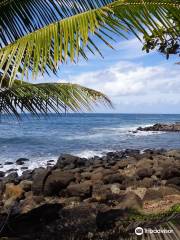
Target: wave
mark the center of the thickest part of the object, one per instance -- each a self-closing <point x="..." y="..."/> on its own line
<point x="111" y="132"/>
<point x="91" y="153"/>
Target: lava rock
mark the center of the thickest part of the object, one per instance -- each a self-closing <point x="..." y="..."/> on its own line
<point x="57" y="181"/>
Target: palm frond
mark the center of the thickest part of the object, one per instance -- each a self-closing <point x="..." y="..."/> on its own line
<point x="19" y="18"/>
<point x="68" y="38"/>
<point x="44" y="98"/>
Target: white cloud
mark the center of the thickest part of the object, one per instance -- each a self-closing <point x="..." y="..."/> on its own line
<point x="134" y="84"/>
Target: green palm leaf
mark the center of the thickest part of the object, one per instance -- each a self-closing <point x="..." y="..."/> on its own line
<point x="44" y="98"/>
<point x="69" y="37"/>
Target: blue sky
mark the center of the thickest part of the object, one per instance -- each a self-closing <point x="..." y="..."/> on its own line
<point x="135" y="81"/>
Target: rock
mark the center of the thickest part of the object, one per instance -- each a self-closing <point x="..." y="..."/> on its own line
<point x="11" y="170"/>
<point x="69" y="161"/>
<point x="166" y="191"/>
<point x="101" y="192"/>
<point x="21" y="161"/>
<point x="50" y="161"/>
<point x="152" y="194"/>
<point x="130" y="201"/>
<point x="8" y="163"/>
<point x="2" y="187"/>
<point x="26" y="175"/>
<point x="115" y="188"/>
<point x="132" y="152"/>
<point x="114" y="178"/>
<point x="144" y="172"/>
<point x="162" y="127"/>
<point x="174" y="181"/>
<point x="2" y="174"/>
<point x="26" y="185"/>
<point x="57" y="181"/>
<point x="174" y="153"/>
<point x="29" y="203"/>
<point x="170" y="172"/>
<point x="97" y="176"/>
<point x="24" y="168"/>
<point x="86" y="175"/>
<point x="147" y="183"/>
<point x="138" y="191"/>
<point x="83" y="190"/>
<point x="11" y="178"/>
<point x="39" y="177"/>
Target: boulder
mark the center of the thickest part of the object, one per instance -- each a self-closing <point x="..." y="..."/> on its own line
<point x="26" y="175"/>
<point x="39" y="178"/>
<point x="130" y="200"/>
<point x="83" y="190"/>
<point x="170" y="172"/>
<point x="21" y="161"/>
<point x="174" y="153"/>
<point x="8" y="163"/>
<point x="97" y="176"/>
<point x="166" y="191"/>
<point x="152" y="194"/>
<point x="174" y="181"/>
<point x="144" y="173"/>
<point x="2" y="174"/>
<point x="26" y="185"/>
<point x="113" y="178"/>
<point x="11" y="178"/>
<point x="147" y="183"/>
<point x="57" y="181"/>
<point x="29" y="203"/>
<point x="101" y="192"/>
<point x="69" y="161"/>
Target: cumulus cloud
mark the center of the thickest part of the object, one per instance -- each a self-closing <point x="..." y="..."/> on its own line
<point x="134" y="84"/>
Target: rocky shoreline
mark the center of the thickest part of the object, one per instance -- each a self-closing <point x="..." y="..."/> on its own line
<point x="175" y="127"/>
<point x="98" y="198"/>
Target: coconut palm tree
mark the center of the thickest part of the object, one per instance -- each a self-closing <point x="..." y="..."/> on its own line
<point x="42" y="98"/>
<point x="38" y="36"/>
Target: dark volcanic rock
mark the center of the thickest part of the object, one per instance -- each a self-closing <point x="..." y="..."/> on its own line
<point x="69" y="161"/>
<point x="113" y="178"/>
<point x="162" y="127"/>
<point x="39" y="177"/>
<point x="83" y="190"/>
<point x="57" y="181"/>
<point x="170" y="172"/>
<point x="87" y="199"/>
<point x="144" y="172"/>
<point x="2" y="174"/>
<point x="21" y="161"/>
<point x="174" y="181"/>
<point x="152" y="194"/>
<point x="130" y="201"/>
<point x="8" y="163"/>
<point x="11" y="178"/>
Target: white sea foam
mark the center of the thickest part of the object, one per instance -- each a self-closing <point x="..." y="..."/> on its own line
<point x="123" y="132"/>
<point x="90" y="153"/>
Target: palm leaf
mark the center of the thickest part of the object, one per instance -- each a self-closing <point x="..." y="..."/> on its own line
<point x="44" y="98"/>
<point x="19" y="18"/>
<point x="68" y="38"/>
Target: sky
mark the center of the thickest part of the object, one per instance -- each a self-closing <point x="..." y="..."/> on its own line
<point x="136" y="82"/>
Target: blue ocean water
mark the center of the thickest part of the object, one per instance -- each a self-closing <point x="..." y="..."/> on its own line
<point x="81" y="134"/>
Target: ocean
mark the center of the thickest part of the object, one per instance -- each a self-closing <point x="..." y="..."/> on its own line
<point x="84" y="135"/>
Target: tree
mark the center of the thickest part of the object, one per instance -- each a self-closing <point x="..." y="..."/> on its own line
<point x="39" y="36"/>
<point x="165" y="42"/>
<point x="23" y="97"/>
